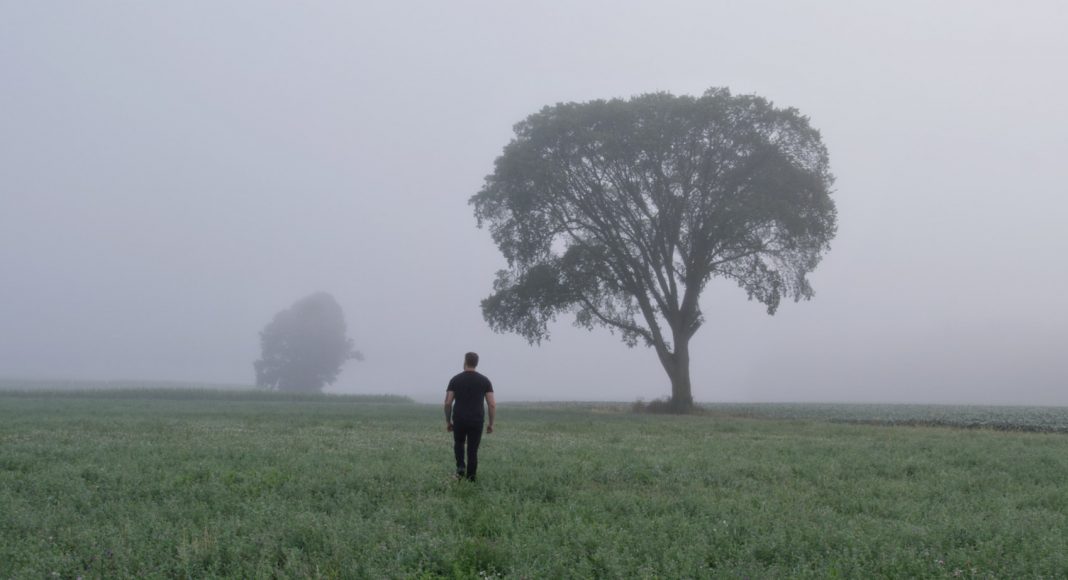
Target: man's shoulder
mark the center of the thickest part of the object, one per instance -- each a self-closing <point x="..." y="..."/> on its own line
<point x="464" y="376"/>
<point x="458" y="378"/>
<point x="470" y="377"/>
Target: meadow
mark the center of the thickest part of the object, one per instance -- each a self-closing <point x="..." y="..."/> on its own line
<point x="1003" y="418"/>
<point x="179" y="484"/>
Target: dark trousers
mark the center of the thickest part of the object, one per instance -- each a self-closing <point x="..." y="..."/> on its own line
<point x="471" y="433"/>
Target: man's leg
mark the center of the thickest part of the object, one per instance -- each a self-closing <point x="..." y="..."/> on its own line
<point x="474" y="437"/>
<point x="458" y="434"/>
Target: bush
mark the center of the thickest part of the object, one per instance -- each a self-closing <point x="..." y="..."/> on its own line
<point x="661" y="406"/>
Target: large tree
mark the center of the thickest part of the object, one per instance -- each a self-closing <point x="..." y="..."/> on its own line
<point x="304" y="346"/>
<point x="621" y="211"/>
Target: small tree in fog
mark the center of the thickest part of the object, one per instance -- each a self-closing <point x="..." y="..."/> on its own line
<point x="621" y="211"/>
<point x="305" y="346"/>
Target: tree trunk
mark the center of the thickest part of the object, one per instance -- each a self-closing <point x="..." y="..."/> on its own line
<point x="677" y="366"/>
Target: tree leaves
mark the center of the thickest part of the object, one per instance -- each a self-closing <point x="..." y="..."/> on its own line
<point x="621" y="211"/>
<point x="304" y="346"/>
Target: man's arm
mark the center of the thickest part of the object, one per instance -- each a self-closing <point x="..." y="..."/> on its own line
<point x="449" y="395"/>
<point x="491" y="404"/>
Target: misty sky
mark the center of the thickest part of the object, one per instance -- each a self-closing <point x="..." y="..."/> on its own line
<point x="173" y="174"/>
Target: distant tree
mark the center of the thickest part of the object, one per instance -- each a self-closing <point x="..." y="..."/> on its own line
<point x="622" y="211"/>
<point x="304" y="347"/>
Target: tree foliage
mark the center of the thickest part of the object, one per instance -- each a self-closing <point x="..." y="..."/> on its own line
<point x="304" y="347"/>
<point x="621" y="211"/>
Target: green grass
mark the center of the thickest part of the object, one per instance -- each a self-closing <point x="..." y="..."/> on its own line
<point x="37" y="388"/>
<point x="139" y="486"/>
<point x="1002" y="418"/>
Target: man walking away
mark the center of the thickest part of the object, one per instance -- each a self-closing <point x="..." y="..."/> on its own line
<point x="464" y="414"/>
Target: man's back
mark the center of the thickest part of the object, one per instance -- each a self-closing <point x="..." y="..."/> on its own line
<point x="469" y="389"/>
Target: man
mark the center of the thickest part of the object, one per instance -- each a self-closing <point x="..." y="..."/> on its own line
<point x="464" y="418"/>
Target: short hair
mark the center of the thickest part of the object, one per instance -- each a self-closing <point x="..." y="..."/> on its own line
<point x="471" y="360"/>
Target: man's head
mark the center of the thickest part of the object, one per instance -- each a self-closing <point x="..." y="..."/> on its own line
<point x="471" y="360"/>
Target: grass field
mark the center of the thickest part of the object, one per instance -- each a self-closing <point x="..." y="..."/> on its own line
<point x="1002" y="418"/>
<point x="135" y="485"/>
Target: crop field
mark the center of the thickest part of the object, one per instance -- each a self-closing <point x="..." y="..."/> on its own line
<point x="1005" y="418"/>
<point x="149" y="484"/>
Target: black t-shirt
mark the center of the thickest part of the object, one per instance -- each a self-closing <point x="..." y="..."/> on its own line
<point x="469" y="389"/>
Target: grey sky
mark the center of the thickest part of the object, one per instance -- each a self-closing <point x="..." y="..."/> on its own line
<point x="173" y="174"/>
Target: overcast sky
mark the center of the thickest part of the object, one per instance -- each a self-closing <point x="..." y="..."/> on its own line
<point x="173" y="174"/>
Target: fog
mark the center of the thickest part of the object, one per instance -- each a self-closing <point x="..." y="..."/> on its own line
<point x="173" y="174"/>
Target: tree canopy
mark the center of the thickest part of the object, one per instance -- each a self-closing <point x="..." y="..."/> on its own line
<point x="304" y="346"/>
<point x="621" y="211"/>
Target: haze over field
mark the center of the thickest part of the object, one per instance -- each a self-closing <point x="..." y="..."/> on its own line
<point x="173" y="175"/>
